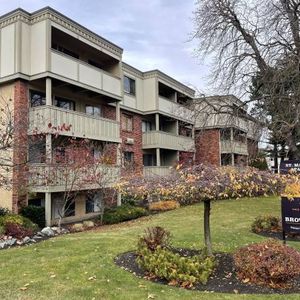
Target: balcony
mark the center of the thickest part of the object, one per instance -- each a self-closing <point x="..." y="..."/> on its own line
<point x="79" y="71"/>
<point x="174" y="109"/>
<point x="165" y="140"/>
<point x="234" y="147"/>
<point x="48" y="178"/>
<point x="157" y="171"/>
<point x="82" y="125"/>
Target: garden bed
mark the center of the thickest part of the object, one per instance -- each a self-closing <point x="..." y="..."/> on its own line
<point x="224" y="279"/>
<point x="278" y="236"/>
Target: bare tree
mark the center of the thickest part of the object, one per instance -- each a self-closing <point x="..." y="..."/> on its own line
<point x="257" y="39"/>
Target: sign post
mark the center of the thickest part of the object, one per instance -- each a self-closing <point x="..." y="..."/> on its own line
<point x="290" y="215"/>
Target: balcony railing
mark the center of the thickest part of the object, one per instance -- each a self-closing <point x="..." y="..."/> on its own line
<point x="82" y="125"/>
<point x="84" y="73"/>
<point x="50" y="178"/>
<point x="234" y="147"/>
<point x="165" y="140"/>
<point x="177" y="110"/>
<point x="157" y="171"/>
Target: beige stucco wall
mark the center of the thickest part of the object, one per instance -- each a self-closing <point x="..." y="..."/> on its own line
<point x="6" y="93"/>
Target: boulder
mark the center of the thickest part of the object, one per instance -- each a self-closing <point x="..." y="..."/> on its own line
<point x="77" y="227"/>
<point x="26" y="240"/>
<point x="11" y="242"/>
<point x="47" y="231"/>
<point x="2" y="245"/>
<point x="88" y="224"/>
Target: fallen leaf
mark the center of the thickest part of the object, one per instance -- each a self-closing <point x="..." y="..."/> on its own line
<point x="236" y="291"/>
<point x="246" y="280"/>
<point x="151" y="296"/>
<point x="24" y="288"/>
<point x="52" y="276"/>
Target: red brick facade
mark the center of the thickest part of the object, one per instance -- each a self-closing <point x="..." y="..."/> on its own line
<point x="186" y="158"/>
<point x="136" y="135"/>
<point x="20" y="149"/>
<point x="109" y="112"/>
<point x="207" y="143"/>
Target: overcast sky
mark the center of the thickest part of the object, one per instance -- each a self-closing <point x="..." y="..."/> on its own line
<point x="154" y="34"/>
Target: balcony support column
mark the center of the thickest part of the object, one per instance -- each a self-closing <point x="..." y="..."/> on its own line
<point x="48" y="91"/>
<point x="158" y="157"/>
<point x="157" y="122"/>
<point x="118" y="112"/>
<point x="119" y="199"/>
<point x="48" y="148"/>
<point x="48" y="209"/>
<point x="232" y="159"/>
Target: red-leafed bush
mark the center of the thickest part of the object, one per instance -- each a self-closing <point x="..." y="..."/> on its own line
<point x="268" y="263"/>
<point x="16" y="230"/>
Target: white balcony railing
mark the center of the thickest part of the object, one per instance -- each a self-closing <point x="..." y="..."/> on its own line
<point x="84" y="73"/>
<point x="165" y="140"/>
<point x="51" y="178"/>
<point x="177" y="110"/>
<point x="234" y="147"/>
<point x="157" y="171"/>
<point x="82" y="125"/>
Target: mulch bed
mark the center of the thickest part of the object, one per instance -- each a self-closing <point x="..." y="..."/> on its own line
<point x="223" y="280"/>
<point x="278" y="236"/>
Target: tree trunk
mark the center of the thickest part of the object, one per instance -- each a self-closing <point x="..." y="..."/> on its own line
<point x="207" y="238"/>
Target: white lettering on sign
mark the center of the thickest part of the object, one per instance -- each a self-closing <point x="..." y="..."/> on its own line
<point x="291" y="219"/>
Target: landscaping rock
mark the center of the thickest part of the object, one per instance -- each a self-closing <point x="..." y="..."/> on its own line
<point x="47" y="231"/>
<point x="2" y="245"/>
<point x="77" y="227"/>
<point x="11" y="242"/>
<point x="26" y="240"/>
<point x="88" y="224"/>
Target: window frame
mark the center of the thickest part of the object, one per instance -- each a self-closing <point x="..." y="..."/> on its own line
<point x="126" y="126"/>
<point x="93" y="107"/>
<point x="129" y="85"/>
<point x="41" y="94"/>
<point x="57" y="99"/>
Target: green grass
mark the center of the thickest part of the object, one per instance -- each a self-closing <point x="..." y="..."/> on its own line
<point x="76" y="257"/>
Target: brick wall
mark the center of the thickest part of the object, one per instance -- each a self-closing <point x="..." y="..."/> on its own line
<point x="136" y="135"/>
<point x="207" y="144"/>
<point x="186" y="158"/>
<point x="21" y="111"/>
<point x="109" y="112"/>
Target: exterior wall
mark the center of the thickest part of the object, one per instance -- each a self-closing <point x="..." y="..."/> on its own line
<point x="20" y="176"/>
<point x="240" y="160"/>
<point x="6" y="93"/>
<point x="135" y="134"/>
<point x="186" y="158"/>
<point x="109" y="112"/>
<point x="208" y="147"/>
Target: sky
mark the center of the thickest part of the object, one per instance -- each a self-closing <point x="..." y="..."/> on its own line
<point x="154" y="34"/>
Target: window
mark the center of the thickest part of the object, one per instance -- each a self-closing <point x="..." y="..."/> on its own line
<point x="37" y="150"/>
<point x="64" y="50"/>
<point x="93" y="203"/>
<point x="93" y="110"/>
<point x="127" y="122"/>
<point x="64" y="103"/>
<point x="146" y="126"/>
<point x="37" y="98"/>
<point x="149" y="160"/>
<point x="129" y="85"/>
<point x="70" y="208"/>
<point x="128" y="158"/>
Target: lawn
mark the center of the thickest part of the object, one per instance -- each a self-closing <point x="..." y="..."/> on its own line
<point x="61" y="268"/>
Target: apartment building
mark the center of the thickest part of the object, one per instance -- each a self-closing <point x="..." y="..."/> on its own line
<point x="225" y="133"/>
<point x="60" y="73"/>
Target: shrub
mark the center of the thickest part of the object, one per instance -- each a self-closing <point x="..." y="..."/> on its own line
<point x="123" y="213"/>
<point x="16" y="230"/>
<point x="176" y="269"/>
<point x="18" y="220"/>
<point x="154" y="237"/>
<point x="2" y="231"/>
<point x="4" y="211"/>
<point x="163" y="205"/>
<point x="266" y="224"/>
<point x="34" y="213"/>
<point x="268" y="263"/>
